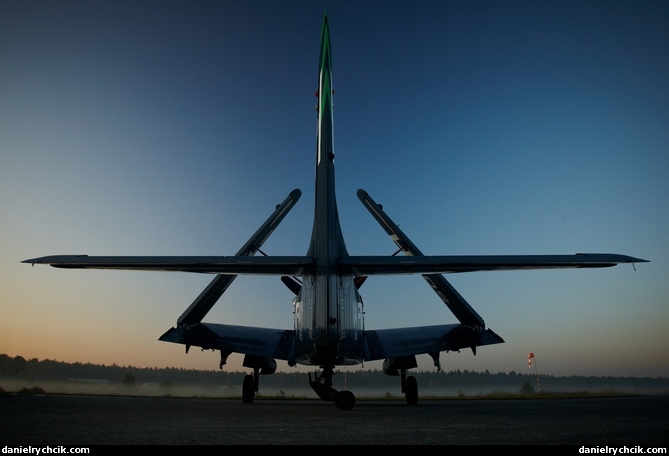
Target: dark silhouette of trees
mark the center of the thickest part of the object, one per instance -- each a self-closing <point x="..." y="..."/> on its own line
<point x="527" y="388"/>
<point x="128" y="380"/>
<point x="11" y="366"/>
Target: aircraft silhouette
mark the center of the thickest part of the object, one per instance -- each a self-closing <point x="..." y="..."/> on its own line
<point x="328" y="310"/>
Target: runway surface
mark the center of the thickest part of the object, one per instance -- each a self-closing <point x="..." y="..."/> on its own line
<point x="94" y="420"/>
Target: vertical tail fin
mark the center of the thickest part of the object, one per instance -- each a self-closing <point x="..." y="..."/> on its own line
<point x="327" y="241"/>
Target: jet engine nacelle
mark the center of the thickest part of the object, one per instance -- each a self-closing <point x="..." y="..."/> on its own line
<point x="266" y="366"/>
<point x="393" y="366"/>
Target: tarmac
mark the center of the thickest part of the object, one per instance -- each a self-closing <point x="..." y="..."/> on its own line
<point x="41" y="420"/>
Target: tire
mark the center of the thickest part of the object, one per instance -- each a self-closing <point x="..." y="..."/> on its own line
<point x="248" y="389"/>
<point x="345" y="400"/>
<point x="411" y="390"/>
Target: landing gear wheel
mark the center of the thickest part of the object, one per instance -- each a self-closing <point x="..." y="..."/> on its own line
<point x="248" y="389"/>
<point x="344" y="400"/>
<point x="411" y="390"/>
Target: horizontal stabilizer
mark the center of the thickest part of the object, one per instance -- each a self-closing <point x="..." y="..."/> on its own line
<point x="388" y="265"/>
<point x="261" y="265"/>
<point x="351" y="265"/>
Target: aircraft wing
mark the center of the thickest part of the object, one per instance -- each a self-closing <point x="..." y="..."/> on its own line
<point x="379" y="344"/>
<point x="206" y="300"/>
<point x="400" y="342"/>
<point x="389" y="265"/>
<point x="236" y="265"/>
<point x="248" y="340"/>
<point x="446" y="292"/>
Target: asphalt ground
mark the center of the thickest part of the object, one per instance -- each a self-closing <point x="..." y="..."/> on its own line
<point x="95" y="420"/>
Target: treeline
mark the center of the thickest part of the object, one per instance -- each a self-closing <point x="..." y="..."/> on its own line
<point x="34" y="371"/>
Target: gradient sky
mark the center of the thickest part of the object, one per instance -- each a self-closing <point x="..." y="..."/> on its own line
<point x="174" y="128"/>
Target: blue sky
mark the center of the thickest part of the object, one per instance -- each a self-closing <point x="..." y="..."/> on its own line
<point x="174" y="128"/>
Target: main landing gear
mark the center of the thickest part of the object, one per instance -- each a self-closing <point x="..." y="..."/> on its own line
<point x="409" y="388"/>
<point x="399" y="367"/>
<point x="250" y="387"/>
<point x="260" y="366"/>
<point x="322" y="385"/>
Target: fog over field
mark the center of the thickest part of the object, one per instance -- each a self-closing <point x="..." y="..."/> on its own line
<point x="54" y="377"/>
